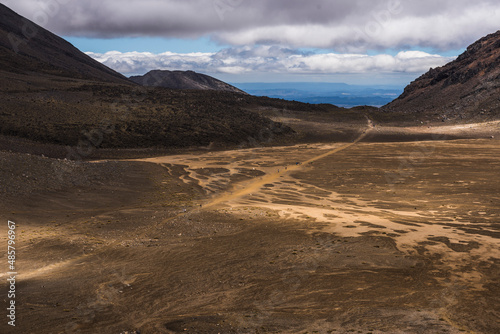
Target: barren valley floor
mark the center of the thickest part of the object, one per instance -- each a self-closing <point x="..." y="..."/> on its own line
<point x="363" y="237"/>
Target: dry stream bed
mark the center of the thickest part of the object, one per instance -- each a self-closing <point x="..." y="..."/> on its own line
<point x="361" y="237"/>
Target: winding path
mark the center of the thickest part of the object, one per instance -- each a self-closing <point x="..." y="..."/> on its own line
<point x="269" y="178"/>
<point x="245" y="189"/>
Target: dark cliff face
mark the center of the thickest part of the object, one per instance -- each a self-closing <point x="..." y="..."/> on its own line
<point x="467" y="88"/>
<point x="27" y="47"/>
<point x="183" y="80"/>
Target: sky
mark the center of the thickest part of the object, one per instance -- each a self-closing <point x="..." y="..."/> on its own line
<point x="386" y="42"/>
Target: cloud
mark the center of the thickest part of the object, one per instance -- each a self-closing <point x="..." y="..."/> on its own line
<point x="270" y="59"/>
<point x="341" y="25"/>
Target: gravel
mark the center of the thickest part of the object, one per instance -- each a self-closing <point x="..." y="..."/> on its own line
<point x="23" y="174"/>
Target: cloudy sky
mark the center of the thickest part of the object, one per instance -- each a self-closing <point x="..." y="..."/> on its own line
<point x="353" y="41"/>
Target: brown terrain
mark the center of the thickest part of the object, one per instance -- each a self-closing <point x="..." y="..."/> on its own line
<point x="218" y="212"/>
<point x="358" y="237"/>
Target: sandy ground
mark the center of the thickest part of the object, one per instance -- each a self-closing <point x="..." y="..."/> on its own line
<point x="359" y="237"/>
<point x="486" y="130"/>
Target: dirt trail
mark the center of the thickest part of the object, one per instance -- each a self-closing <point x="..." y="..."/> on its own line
<point x="269" y="178"/>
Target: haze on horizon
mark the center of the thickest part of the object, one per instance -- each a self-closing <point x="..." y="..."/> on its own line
<point x="380" y="42"/>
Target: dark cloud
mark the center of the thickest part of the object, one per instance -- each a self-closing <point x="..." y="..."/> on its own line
<point x="341" y="25"/>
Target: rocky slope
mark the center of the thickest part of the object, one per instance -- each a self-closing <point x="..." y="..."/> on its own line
<point x="467" y="88"/>
<point x="183" y="80"/>
<point x="26" y="47"/>
<point x="50" y="92"/>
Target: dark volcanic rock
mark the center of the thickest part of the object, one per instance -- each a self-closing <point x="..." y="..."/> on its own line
<point x="467" y="88"/>
<point x="183" y="80"/>
<point x="27" y="47"/>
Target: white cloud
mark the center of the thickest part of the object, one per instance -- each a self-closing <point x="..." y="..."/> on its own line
<point x="266" y="59"/>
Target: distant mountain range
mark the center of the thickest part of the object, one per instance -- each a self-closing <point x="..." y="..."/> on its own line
<point x="464" y="89"/>
<point x="339" y="94"/>
<point x="183" y="80"/>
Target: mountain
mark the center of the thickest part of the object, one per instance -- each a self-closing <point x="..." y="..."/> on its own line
<point x="183" y="80"/>
<point x="467" y="88"/>
<point x="26" y="47"/>
<point x="52" y="93"/>
<point x="339" y="94"/>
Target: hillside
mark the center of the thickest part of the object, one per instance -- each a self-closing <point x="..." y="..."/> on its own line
<point x="183" y="80"/>
<point x="26" y="47"/>
<point x="50" y="92"/>
<point x="465" y="89"/>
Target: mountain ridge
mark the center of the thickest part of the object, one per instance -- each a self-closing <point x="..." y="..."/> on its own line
<point x="27" y="47"/>
<point x="52" y="93"/>
<point x="464" y="89"/>
<point x="183" y="80"/>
